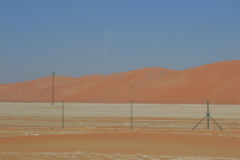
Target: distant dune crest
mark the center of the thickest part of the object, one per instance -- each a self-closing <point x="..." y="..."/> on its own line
<point x="217" y="82"/>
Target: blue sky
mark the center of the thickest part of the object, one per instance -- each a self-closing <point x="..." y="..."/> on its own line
<point x="79" y="37"/>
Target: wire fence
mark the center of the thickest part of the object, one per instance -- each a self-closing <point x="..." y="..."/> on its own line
<point x="121" y="115"/>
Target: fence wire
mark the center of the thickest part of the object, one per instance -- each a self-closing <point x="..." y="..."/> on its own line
<point x="82" y="115"/>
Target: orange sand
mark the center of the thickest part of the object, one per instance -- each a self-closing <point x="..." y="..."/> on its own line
<point x="127" y="143"/>
<point x="217" y="82"/>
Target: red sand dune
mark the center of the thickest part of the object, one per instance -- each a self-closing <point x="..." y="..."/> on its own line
<point x="217" y="82"/>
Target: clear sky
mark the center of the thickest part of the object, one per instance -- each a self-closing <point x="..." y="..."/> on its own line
<point x="79" y="37"/>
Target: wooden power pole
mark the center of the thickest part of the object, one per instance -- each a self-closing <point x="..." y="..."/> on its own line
<point x="53" y="87"/>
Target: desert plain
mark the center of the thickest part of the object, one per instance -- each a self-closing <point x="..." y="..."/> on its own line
<point x="103" y="131"/>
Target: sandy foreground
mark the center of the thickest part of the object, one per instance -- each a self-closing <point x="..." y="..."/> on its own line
<point x="102" y="131"/>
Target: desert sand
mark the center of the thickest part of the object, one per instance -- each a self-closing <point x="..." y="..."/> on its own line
<point x="127" y="143"/>
<point x="217" y="82"/>
<point x="166" y="106"/>
<point x="102" y="131"/>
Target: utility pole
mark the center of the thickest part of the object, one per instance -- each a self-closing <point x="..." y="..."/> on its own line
<point x="62" y="114"/>
<point x="53" y="79"/>
<point x="131" y="114"/>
